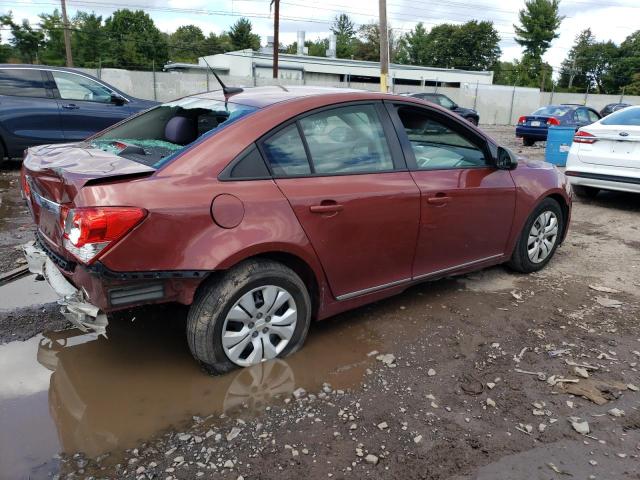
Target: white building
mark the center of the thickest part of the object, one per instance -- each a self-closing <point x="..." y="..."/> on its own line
<point x="303" y="68"/>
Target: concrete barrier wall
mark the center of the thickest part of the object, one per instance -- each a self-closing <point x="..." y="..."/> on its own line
<point x="496" y="104"/>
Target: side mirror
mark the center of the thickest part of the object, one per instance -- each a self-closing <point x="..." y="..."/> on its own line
<point x="117" y="99"/>
<point x="506" y="159"/>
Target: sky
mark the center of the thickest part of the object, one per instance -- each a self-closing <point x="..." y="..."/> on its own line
<point x="608" y="19"/>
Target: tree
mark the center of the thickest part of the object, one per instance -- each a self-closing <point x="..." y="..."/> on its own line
<point x="415" y="47"/>
<point x="317" y="48"/>
<point x="134" y="40"/>
<point x="26" y="40"/>
<point x="88" y="40"/>
<point x="241" y="36"/>
<point x="626" y="70"/>
<point x="215" y="44"/>
<point x="590" y="63"/>
<point x="345" y="31"/>
<point x="52" y="52"/>
<point x="367" y="45"/>
<point x="521" y="73"/>
<point x="539" y="23"/>
<point x="186" y="44"/>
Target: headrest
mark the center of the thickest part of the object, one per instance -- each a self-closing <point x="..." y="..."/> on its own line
<point x="181" y="130"/>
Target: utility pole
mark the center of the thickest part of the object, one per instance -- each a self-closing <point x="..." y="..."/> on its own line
<point x="67" y="34"/>
<point x="276" y="39"/>
<point x="573" y="72"/>
<point x="384" y="46"/>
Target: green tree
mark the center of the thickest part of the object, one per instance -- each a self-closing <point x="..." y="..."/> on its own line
<point x="367" y="45"/>
<point x="26" y="41"/>
<point x="414" y="47"/>
<point x="215" y="44"/>
<point x="88" y="40"/>
<point x="242" y="37"/>
<point x="522" y="73"/>
<point x="345" y="31"/>
<point x="625" y="73"/>
<point x="186" y="44"/>
<point x="539" y="24"/>
<point x="316" y="48"/>
<point x="134" y="40"/>
<point x="52" y="51"/>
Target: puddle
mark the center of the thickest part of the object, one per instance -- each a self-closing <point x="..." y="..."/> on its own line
<point x="68" y="391"/>
<point x="26" y="292"/>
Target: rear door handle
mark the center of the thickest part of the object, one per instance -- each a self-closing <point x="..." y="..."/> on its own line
<point x="438" y="200"/>
<point x="331" y="208"/>
<point x="70" y="106"/>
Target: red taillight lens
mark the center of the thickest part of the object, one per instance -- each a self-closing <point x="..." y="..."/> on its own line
<point x="584" y="137"/>
<point x="26" y="188"/>
<point x="522" y="120"/>
<point x="553" y="121"/>
<point x="88" y="232"/>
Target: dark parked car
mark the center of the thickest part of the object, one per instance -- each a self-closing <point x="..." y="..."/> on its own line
<point x="269" y="208"/>
<point x="40" y="105"/>
<point x="534" y="127"/>
<point x="613" y="107"/>
<point x="445" y="102"/>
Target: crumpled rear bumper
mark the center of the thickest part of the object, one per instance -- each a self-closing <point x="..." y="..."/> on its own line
<point x="74" y="304"/>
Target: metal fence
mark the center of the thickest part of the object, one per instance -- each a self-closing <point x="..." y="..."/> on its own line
<point x="496" y="104"/>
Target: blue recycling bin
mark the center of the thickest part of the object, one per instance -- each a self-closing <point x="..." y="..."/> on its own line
<point x="559" y="140"/>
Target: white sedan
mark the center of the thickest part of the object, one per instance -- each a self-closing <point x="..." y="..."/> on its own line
<point x="606" y="155"/>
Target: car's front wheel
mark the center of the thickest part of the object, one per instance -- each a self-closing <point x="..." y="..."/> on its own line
<point x="254" y="312"/>
<point x="539" y="238"/>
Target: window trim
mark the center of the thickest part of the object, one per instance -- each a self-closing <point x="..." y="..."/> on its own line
<point x="449" y="121"/>
<point x="225" y="174"/>
<point x="393" y="143"/>
<point x="49" y="94"/>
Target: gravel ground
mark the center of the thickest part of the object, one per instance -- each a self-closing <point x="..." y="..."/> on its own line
<point x="443" y="393"/>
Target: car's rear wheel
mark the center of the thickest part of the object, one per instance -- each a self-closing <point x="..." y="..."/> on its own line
<point x="528" y="142"/>
<point x="473" y="120"/>
<point x="257" y="311"/>
<point x="584" y="191"/>
<point x="539" y="238"/>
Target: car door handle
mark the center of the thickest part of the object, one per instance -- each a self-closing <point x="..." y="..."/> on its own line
<point x="70" y="106"/>
<point x="330" y="208"/>
<point x="438" y="200"/>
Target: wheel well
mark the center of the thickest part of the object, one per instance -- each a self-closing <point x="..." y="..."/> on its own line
<point x="303" y="270"/>
<point x="565" y="211"/>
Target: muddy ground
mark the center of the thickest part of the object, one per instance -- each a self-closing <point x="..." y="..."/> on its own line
<point x="420" y="386"/>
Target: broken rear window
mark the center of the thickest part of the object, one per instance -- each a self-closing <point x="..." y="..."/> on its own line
<point x="152" y="137"/>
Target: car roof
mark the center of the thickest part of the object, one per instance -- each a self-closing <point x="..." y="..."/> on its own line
<point x="28" y="66"/>
<point x="261" y="97"/>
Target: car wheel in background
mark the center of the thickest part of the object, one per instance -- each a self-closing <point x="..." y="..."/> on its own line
<point x="254" y="312"/>
<point x="539" y="238"/>
<point x="584" y="191"/>
<point x="528" y="142"/>
<point x="473" y="120"/>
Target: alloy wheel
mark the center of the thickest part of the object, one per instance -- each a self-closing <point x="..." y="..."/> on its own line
<point x="259" y="325"/>
<point x="542" y="236"/>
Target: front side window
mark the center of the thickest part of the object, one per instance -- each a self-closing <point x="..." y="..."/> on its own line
<point x="153" y="136"/>
<point x="79" y="87"/>
<point x="435" y="145"/>
<point x="347" y="140"/>
<point x="22" y="82"/>
<point x="445" y="102"/>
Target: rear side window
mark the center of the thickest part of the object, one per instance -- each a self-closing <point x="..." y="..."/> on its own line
<point x="22" y="83"/>
<point x="285" y="153"/>
<point x="347" y="140"/>
<point x="581" y="115"/>
<point x="593" y="116"/>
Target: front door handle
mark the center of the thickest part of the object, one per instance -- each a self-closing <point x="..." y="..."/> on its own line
<point x="439" y="199"/>
<point x="329" y="208"/>
<point x="70" y="106"/>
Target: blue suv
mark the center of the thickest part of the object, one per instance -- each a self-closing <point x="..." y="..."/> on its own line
<point x="40" y="105"/>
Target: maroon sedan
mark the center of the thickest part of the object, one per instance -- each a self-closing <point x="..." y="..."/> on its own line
<point x="268" y="208"/>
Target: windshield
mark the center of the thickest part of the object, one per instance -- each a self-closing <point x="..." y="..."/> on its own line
<point x="150" y="138"/>
<point x="627" y="116"/>
<point x="552" y="111"/>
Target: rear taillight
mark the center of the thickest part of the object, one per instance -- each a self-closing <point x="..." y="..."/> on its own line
<point x="522" y="120"/>
<point x="553" y="121"/>
<point x="26" y="188"/>
<point x="584" y="137"/>
<point x="89" y="232"/>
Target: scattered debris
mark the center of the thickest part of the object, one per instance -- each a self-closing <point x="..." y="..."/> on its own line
<point x="471" y="385"/>
<point x="557" y="470"/>
<point x="431" y="372"/>
<point x="581" y="372"/>
<point x="298" y="393"/>
<point x="600" y="288"/>
<point x="608" y="302"/>
<point x="598" y="391"/>
<point x="372" y="459"/>
<point x="616" y="412"/>
<point x="417" y="439"/>
<point x="571" y="363"/>
<point x="491" y="403"/>
<point x="235" y="431"/>
<point x="541" y="375"/>
<point x="579" y="425"/>
<point x="517" y="295"/>
<point x="383" y="426"/>
<point x="528" y="429"/>
<point x="388" y="359"/>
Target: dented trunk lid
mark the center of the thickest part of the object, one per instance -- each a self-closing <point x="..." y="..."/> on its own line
<point x="56" y="173"/>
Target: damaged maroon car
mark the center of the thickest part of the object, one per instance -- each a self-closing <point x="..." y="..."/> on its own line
<point x="269" y="208"/>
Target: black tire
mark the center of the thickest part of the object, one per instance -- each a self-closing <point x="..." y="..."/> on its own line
<point x="216" y="297"/>
<point x="583" y="191"/>
<point x="520" y="260"/>
<point x="473" y="121"/>
<point x="528" y="142"/>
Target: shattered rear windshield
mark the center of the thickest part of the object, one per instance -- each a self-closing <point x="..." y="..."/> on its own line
<point x="152" y="137"/>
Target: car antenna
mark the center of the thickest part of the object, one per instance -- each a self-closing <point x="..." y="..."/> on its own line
<point x="225" y="90"/>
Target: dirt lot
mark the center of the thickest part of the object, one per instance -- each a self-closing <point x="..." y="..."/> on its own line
<point x="426" y="385"/>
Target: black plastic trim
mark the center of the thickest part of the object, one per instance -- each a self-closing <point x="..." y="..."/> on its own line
<point x="102" y="271"/>
<point x="606" y="178"/>
<point x="63" y="263"/>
